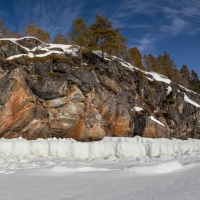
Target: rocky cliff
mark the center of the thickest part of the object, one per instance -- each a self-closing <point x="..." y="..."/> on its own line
<point x="44" y="92"/>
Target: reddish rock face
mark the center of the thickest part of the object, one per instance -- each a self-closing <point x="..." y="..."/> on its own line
<point x="20" y="109"/>
<point x="55" y="97"/>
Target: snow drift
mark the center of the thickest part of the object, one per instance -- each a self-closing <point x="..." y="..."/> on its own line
<point x="106" y="148"/>
<point x="159" y="168"/>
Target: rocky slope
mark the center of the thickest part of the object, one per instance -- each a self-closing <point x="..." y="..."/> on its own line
<point x="44" y="92"/>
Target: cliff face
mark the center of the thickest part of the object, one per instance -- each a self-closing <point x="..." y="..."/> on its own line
<point x="45" y="93"/>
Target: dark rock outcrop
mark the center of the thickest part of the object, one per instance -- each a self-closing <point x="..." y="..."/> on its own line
<point x="30" y="42"/>
<point x="9" y="48"/>
<point x="56" y="97"/>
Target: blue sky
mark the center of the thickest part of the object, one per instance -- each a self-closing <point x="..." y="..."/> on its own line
<point x="154" y="26"/>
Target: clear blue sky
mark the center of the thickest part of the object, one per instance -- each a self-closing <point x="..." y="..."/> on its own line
<point x="154" y="26"/>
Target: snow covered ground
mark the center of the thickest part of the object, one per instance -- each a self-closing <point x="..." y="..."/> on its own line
<point x="114" y="168"/>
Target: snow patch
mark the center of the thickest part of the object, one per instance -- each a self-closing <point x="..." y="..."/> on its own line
<point x="99" y="53"/>
<point x="160" y="77"/>
<point x="138" y="109"/>
<point x="128" y="65"/>
<point x="50" y="48"/>
<point x="155" y="120"/>
<point x="28" y="37"/>
<point x="156" y="76"/>
<point x="17" y="56"/>
<point x="186" y="89"/>
<point x="165" y="167"/>
<point x="169" y="89"/>
<point x="150" y="79"/>
<point x="48" y="53"/>
<point x="14" y="41"/>
<point x="187" y="99"/>
<point x="63" y="169"/>
<point x="32" y="55"/>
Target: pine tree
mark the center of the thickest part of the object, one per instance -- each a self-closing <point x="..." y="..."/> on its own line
<point x="13" y="35"/>
<point x="80" y="35"/>
<point x="33" y="30"/>
<point x="3" y="29"/>
<point x="118" y="45"/>
<point x="134" y="57"/>
<point x="150" y="62"/>
<point x="195" y="83"/>
<point x="163" y="64"/>
<point x="5" y="33"/>
<point x="166" y="66"/>
<point x="185" y="78"/>
<point x="42" y="35"/>
<point x="61" y="39"/>
<point x="104" y="34"/>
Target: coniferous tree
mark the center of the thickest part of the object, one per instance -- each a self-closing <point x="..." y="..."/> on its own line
<point x="195" y="83"/>
<point x="174" y="75"/>
<point x="80" y="35"/>
<point x="33" y="30"/>
<point x="13" y="35"/>
<point x="42" y="35"/>
<point x="3" y="29"/>
<point x="134" y="57"/>
<point x="5" y="33"/>
<point x="119" y="46"/>
<point x="185" y="78"/>
<point x="166" y="66"/>
<point x="61" y="39"/>
<point x="150" y="62"/>
<point x="104" y="34"/>
<point x="163" y="64"/>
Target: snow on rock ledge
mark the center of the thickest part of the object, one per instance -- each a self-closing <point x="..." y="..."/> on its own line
<point x="138" y="109"/>
<point x="155" y="120"/>
<point x="117" y="147"/>
<point x="160" y="77"/>
<point x="187" y="99"/>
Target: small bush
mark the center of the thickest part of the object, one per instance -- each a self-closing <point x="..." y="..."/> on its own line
<point x="62" y="59"/>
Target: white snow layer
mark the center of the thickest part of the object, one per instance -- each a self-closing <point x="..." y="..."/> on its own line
<point x="187" y="99"/>
<point x="50" y="48"/>
<point x="159" y="168"/>
<point x="160" y="77"/>
<point x="169" y="89"/>
<point x="155" y="120"/>
<point x="156" y="76"/>
<point x="138" y="109"/>
<point x="116" y="147"/>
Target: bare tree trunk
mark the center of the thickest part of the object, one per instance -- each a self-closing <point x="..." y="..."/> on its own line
<point x="102" y="50"/>
<point x="81" y="56"/>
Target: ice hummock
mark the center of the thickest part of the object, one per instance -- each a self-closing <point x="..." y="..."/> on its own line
<point x="117" y="147"/>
